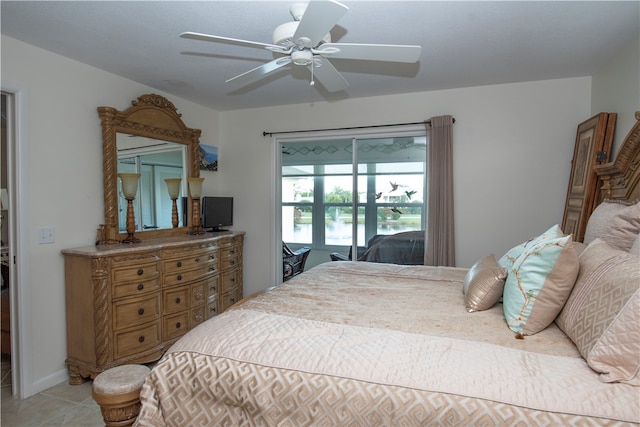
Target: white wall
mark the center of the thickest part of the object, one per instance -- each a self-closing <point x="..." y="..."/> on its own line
<point x="65" y="178"/>
<point x="616" y="89"/>
<point x="512" y="157"/>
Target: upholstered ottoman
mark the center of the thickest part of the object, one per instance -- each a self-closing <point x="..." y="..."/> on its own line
<point x="117" y="391"/>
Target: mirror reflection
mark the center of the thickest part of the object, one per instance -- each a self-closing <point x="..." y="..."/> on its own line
<point x="155" y="160"/>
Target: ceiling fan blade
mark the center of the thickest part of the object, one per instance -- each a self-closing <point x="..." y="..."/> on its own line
<point x="328" y="76"/>
<point x="318" y="19"/>
<point x="259" y="72"/>
<point x="227" y="40"/>
<point x="370" y="52"/>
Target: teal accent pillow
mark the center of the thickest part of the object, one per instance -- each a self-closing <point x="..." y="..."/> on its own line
<point x="539" y="283"/>
<point x="507" y="259"/>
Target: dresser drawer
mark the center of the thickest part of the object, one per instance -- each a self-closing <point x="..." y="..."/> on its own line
<point x="175" y="300"/>
<point x="190" y="261"/>
<point x="134" y="311"/>
<point x="228" y="280"/>
<point x="228" y="299"/>
<point x="175" y="325"/>
<point x="189" y="250"/>
<point x="229" y="263"/>
<point x="179" y="278"/>
<point x="137" y="340"/>
<point x="139" y="287"/>
<point x="230" y="253"/>
<point x="139" y="271"/>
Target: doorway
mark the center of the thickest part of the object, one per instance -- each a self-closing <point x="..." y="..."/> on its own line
<point x="5" y="242"/>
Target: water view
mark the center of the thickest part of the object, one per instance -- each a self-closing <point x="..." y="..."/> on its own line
<point x="339" y="233"/>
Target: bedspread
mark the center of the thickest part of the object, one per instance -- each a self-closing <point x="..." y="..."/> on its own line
<point x="273" y="362"/>
<point x="418" y="299"/>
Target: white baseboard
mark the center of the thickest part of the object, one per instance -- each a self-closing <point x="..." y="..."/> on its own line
<point x="50" y="381"/>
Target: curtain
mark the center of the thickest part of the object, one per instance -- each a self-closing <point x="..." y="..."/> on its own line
<point x="439" y="233"/>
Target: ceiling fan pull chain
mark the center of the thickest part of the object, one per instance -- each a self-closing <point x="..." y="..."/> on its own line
<point x="311" y="83"/>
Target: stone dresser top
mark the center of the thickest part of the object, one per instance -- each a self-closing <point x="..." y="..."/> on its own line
<point x="150" y="244"/>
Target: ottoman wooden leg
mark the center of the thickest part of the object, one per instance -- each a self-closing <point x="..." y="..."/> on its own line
<point x="117" y="391"/>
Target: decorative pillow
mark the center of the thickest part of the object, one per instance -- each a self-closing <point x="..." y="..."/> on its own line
<point x="602" y="315"/>
<point x="507" y="259"/>
<point x="616" y="222"/>
<point x="483" y="284"/>
<point x="539" y="284"/>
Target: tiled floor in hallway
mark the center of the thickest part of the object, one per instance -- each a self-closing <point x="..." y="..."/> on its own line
<point x="61" y="405"/>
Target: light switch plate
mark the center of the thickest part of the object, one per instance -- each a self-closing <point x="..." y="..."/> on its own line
<point x="46" y="235"/>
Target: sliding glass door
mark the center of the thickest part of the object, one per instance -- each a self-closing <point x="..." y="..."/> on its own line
<point x="338" y="192"/>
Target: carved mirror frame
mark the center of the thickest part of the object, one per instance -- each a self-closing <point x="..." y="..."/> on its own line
<point x="151" y="116"/>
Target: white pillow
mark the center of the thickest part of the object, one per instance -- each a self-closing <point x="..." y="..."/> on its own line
<point x="616" y="222"/>
<point x="602" y="315"/>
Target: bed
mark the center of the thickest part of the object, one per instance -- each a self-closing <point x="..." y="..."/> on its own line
<point x="358" y="343"/>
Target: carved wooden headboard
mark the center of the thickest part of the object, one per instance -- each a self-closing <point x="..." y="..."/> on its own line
<point x="621" y="178"/>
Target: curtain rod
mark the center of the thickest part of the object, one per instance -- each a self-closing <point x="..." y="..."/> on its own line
<point x="265" y="133"/>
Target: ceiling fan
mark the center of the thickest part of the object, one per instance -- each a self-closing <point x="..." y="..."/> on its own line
<point x="307" y="42"/>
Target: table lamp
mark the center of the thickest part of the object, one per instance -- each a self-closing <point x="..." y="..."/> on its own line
<point x="129" y="189"/>
<point x="195" y="189"/>
<point x="173" y="185"/>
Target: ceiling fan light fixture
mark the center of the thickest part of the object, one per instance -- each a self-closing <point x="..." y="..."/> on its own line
<point x="302" y="57"/>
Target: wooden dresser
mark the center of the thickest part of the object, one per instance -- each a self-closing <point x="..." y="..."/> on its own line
<point x="129" y="303"/>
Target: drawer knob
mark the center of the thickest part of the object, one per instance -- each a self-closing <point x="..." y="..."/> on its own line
<point x="179" y="276"/>
<point x="140" y="287"/>
<point x="178" y="325"/>
<point x="212" y="269"/>
<point x="213" y="289"/>
<point x="197" y="259"/>
<point x="212" y="256"/>
<point x="140" y="272"/>
<point x="141" y="311"/>
<point x="141" y="339"/>
<point x="178" y="300"/>
<point x="179" y="264"/>
<point x="212" y="309"/>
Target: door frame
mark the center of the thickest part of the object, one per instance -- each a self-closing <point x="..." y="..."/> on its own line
<point x="19" y="283"/>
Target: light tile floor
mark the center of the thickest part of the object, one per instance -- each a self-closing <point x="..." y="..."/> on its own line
<point x="61" y="405"/>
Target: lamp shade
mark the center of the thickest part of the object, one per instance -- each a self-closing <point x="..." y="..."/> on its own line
<point x="173" y="185"/>
<point x="129" y="184"/>
<point x="195" y="187"/>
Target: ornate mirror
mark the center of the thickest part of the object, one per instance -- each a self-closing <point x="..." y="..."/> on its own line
<point x="151" y="139"/>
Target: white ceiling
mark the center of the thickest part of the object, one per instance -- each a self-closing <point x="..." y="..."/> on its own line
<point x="464" y="43"/>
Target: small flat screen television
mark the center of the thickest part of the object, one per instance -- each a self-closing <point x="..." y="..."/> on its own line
<point x="217" y="213"/>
